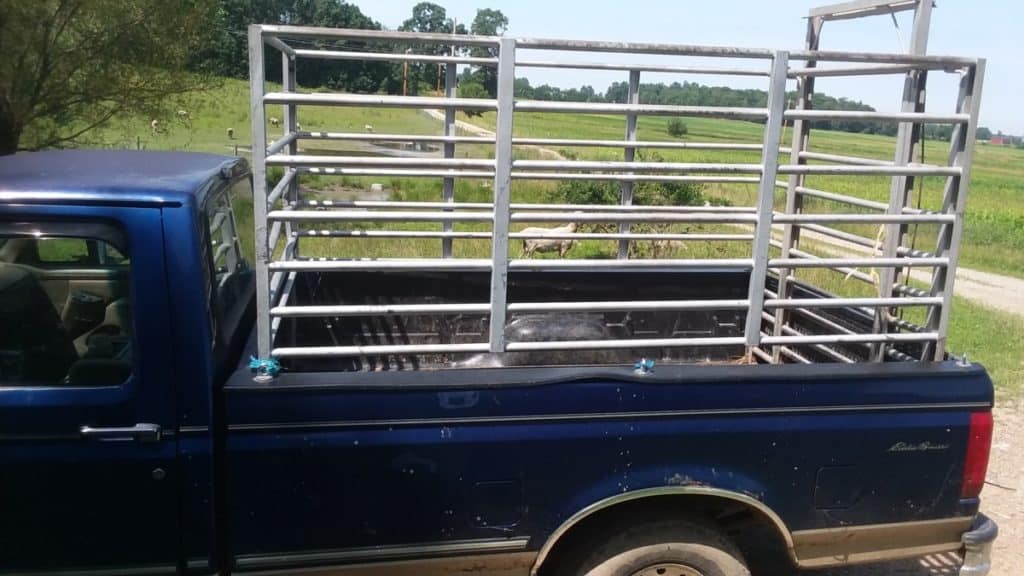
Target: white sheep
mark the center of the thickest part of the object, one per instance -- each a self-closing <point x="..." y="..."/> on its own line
<point x="154" y="125"/>
<point x="561" y="245"/>
<point x="368" y="128"/>
<point x="298" y="126"/>
<point x="663" y="247"/>
<point x="231" y="133"/>
<point x="182" y="114"/>
<point x="274" y="121"/>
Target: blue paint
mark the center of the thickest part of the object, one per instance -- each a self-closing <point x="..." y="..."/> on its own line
<point x="304" y="465"/>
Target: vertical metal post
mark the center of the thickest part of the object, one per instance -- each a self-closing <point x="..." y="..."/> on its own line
<point x="633" y="97"/>
<point x="766" y="196"/>
<point x="259" y="189"/>
<point x="955" y="201"/>
<point x="290" y="122"/>
<point x="502" y="192"/>
<point x="794" y="200"/>
<point x="907" y="138"/>
<point x="450" y="83"/>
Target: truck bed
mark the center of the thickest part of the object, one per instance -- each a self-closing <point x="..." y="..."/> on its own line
<point x="460" y="286"/>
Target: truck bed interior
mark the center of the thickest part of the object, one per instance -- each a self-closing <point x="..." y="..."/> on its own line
<point x="443" y="287"/>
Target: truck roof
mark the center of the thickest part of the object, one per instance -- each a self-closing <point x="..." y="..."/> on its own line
<point x="104" y="176"/>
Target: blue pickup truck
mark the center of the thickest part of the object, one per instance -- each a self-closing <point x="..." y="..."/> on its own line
<point x="134" y="438"/>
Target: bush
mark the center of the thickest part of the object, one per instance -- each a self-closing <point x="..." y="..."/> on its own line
<point x="472" y="90"/>
<point x="677" y="127"/>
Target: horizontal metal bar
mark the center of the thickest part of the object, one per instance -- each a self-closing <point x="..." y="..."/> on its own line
<point x="597" y="264"/>
<point x="641" y="48"/>
<point x="717" y="168"/>
<point x="877" y="70"/>
<point x="521" y="307"/>
<point x="279" y="144"/>
<point x="630" y="217"/>
<point x="279" y="45"/>
<point x="861" y="8"/>
<point x="849" y="302"/>
<point x="376" y="137"/>
<point x="849" y="272"/>
<point x="862" y="241"/>
<point x="280" y="187"/>
<point x="394" y="204"/>
<point x="413" y="173"/>
<point x="761" y="354"/>
<point x="812" y="114"/>
<point x="327" y="265"/>
<point x="850" y="338"/>
<point x="518" y="235"/>
<point x="617" y="344"/>
<point x="862" y="218"/>
<point x="880" y="58"/>
<point x="378" y="101"/>
<point x="376" y="350"/>
<point x="908" y="170"/>
<point x="636" y="144"/>
<point x="640" y="67"/>
<point x="644" y="109"/>
<point x="841" y="159"/>
<point x="843" y="198"/>
<point x="395" y="57"/>
<point x="376" y="216"/>
<point x="867" y="262"/>
<point x="322" y="161"/>
<point x="831" y="353"/>
<point x="635" y="236"/>
<point x="520" y="175"/>
<point x="378" y="35"/>
<point x="392" y="234"/>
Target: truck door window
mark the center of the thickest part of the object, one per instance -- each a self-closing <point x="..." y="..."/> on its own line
<point x="65" y="311"/>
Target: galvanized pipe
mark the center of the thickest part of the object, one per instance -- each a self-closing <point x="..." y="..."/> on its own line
<point x="866" y="262"/>
<point x="279" y="144"/>
<point x="308" y="160"/>
<point x="521" y="307"/>
<point x="395" y="57"/>
<point x="919" y="117"/>
<point x="843" y="159"/>
<point x="644" y="109"/>
<point x="377" y="101"/>
<point x="640" y="68"/>
<point x="717" y="168"/>
<point x="379" y="137"/>
<point x="862" y="218"/>
<point x="850" y="302"/>
<point x="385" y="36"/>
<point x="384" y="216"/>
<point x="850" y="338"/>
<point x="905" y="170"/>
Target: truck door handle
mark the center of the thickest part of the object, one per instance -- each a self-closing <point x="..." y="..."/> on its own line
<point x="140" y="432"/>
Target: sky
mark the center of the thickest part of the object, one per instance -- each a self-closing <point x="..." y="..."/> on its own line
<point x="989" y="29"/>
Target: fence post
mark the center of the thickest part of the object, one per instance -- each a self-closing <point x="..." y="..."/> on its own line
<point x="766" y="197"/>
<point x="448" y="195"/>
<point x="259" y="189"/>
<point x="502" y="192"/>
<point x="629" y="153"/>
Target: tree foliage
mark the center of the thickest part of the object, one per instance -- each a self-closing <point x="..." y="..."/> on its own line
<point x="72" y="65"/>
<point x="677" y="128"/>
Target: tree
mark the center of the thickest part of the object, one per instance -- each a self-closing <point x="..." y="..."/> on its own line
<point x="430" y="18"/>
<point x="488" y="22"/>
<point x="70" y="66"/>
<point x="472" y="89"/>
<point x="984" y="133"/>
<point x="677" y="127"/>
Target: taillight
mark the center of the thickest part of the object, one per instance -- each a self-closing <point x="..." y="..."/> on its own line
<point x="979" y="443"/>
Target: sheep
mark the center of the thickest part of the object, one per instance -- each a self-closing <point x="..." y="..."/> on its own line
<point x="274" y="121"/>
<point x="534" y="245"/>
<point x="368" y="128"/>
<point x="154" y="125"/>
<point x="182" y="114"/>
<point x="298" y="126"/>
<point x="231" y="133"/>
<point x="665" y="247"/>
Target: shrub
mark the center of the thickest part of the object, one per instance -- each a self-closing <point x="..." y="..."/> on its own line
<point x="677" y="127"/>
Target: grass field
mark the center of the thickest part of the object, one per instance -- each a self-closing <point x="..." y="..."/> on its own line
<point x="994" y="234"/>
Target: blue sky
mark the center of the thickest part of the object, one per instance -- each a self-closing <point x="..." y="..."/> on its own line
<point x="991" y="29"/>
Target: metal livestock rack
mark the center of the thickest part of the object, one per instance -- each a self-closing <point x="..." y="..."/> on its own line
<point x="770" y="307"/>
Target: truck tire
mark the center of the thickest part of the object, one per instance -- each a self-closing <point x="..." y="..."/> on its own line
<point x="666" y="548"/>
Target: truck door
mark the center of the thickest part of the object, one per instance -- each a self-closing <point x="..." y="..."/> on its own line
<point x="87" y="437"/>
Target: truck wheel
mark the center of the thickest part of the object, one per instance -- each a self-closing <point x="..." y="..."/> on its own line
<point x="670" y="548"/>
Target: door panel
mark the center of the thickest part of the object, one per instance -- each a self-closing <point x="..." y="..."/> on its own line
<point x="103" y="501"/>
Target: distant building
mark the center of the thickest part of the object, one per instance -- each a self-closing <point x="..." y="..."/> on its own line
<point x="1000" y="141"/>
